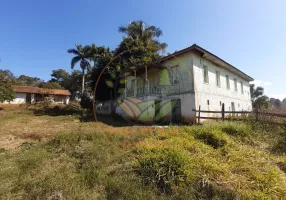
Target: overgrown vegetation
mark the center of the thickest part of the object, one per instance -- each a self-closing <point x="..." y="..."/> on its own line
<point x="75" y="160"/>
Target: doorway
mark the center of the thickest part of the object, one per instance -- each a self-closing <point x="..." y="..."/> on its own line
<point x="28" y="98"/>
<point x="176" y="112"/>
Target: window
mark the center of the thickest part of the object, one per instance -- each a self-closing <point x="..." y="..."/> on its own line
<point x="174" y="74"/>
<point x="208" y="102"/>
<point x="241" y="86"/>
<point x="235" y="85"/>
<point x="206" y="74"/>
<point x="227" y="82"/>
<point x="217" y="78"/>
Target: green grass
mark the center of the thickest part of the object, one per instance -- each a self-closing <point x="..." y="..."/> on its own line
<point x="74" y="160"/>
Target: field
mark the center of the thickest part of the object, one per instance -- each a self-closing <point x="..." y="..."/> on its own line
<point x="63" y="157"/>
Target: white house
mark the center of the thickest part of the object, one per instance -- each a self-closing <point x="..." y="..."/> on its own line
<point x="170" y="88"/>
<point x="26" y="94"/>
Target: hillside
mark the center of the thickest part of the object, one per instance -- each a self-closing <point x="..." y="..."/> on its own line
<point x="60" y="157"/>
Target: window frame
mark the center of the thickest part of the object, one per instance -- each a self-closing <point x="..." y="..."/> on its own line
<point x="241" y="87"/>
<point x="227" y="82"/>
<point x="174" y="73"/>
<point x="206" y="74"/>
<point x="235" y="84"/>
<point x="218" y="83"/>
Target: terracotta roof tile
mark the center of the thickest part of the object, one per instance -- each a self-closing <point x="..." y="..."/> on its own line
<point x="36" y="90"/>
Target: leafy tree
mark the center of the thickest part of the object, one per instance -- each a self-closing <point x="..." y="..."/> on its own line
<point x="6" y="90"/>
<point x="258" y="98"/>
<point x="139" y="47"/>
<point x="275" y="102"/>
<point x="8" y="75"/>
<point x="74" y="87"/>
<point x="28" y="81"/>
<point x="69" y="81"/>
<point x="83" y="55"/>
<point x="61" y="77"/>
<point x="101" y="57"/>
<point x="50" y="85"/>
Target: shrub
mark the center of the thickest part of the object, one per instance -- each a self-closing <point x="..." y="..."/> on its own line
<point x="164" y="169"/>
<point x="86" y="102"/>
<point x="45" y="104"/>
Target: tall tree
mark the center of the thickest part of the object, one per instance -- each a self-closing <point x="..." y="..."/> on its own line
<point x="139" y="30"/>
<point x="141" y="42"/>
<point x="258" y="98"/>
<point x="62" y="77"/>
<point x="6" y="90"/>
<point x="138" y="47"/>
<point x="82" y="55"/>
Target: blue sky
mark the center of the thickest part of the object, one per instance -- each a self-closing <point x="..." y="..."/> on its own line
<point x="251" y="35"/>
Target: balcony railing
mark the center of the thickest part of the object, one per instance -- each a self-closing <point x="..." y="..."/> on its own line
<point x="153" y="90"/>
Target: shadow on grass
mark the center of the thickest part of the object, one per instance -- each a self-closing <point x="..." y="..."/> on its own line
<point x="111" y="120"/>
<point x="56" y="111"/>
<point x="87" y="116"/>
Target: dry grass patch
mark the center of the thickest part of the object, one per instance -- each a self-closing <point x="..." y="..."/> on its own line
<point x="63" y="157"/>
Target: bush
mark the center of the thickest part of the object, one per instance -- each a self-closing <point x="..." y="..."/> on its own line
<point x="46" y="103"/>
<point x="86" y="102"/>
<point x="164" y="169"/>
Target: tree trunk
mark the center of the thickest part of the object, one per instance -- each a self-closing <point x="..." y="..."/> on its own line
<point x="83" y="81"/>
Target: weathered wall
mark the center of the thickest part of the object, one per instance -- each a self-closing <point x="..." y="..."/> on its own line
<point x="217" y="95"/>
<point x="187" y="106"/>
<point x="185" y="76"/>
<point x="20" y="98"/>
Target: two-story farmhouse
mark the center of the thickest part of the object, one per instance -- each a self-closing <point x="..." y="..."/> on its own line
<point x="169" y="89"/>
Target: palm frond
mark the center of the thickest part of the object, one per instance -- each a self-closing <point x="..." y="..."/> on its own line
<point x="122" y="29"/>
<point x="73" y="51"/>
<point x="74" y="61"/>
<point x="157" y="32"/>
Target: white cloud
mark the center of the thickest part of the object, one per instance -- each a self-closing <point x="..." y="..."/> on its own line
<point x="260" y="83"/>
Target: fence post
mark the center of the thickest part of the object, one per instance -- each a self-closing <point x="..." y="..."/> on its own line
<point x="222" y="112"/>
<point x="256" y="113"/>
<point x="199" y="117"/>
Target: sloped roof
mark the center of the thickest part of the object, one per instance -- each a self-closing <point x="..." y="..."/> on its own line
<point x="36" y="90"/>
<point x="209" y="56"/>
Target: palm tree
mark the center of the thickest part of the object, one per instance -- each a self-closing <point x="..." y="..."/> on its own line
<point x="100" y="55"/>
<point x="139" y="30"/>
<point x="82" y="55"/>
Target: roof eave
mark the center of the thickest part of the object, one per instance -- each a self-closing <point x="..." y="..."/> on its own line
<point x="203" y="52"/>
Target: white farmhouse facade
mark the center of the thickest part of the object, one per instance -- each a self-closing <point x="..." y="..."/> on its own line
<point x="170" y="88"/>
<point x="26" y="94"/>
